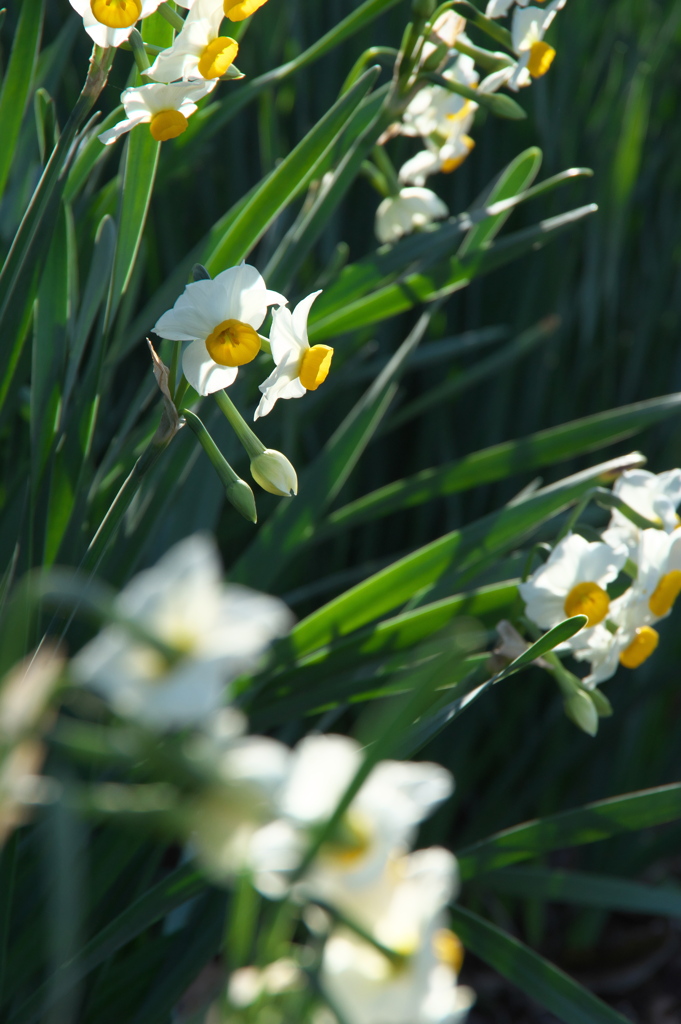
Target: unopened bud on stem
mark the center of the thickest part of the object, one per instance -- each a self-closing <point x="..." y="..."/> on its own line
<point x="274" y="473"/>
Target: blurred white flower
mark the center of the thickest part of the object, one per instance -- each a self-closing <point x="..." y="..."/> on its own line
<point x="379" y="825"/>
<point x="220" y="318"/>
<point x="446" y="29"/>
<point x="199" y="51"/>
<point x="110" y="22"/>
<point x="242" y="777"/>
<point x="299" y="367"/>
<point x="499" y="8"/>
<point x="655" y="496"/>
<point x="572" y="582"/>
<point x="441" y="156"/>
<point x="657" y="584"/>
<point x="165" y="108"/>
<point x="434" y="107"/>
<point x="20" y="784"/>
<point x="419" y="986"/>
<point x="218" y="632"/>
<point x="412" y="209"/>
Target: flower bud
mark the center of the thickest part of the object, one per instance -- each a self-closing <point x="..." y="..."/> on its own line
<point x="274" y="473"/>
<point x="241" y="496"/>
<point x="601" y="703"/>
<point x="580" y="709"/>
<point x="423" y="8"/>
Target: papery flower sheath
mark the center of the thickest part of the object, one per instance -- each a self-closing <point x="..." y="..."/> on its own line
<point x="221" y="319"/>
<point x="300" y="367"/>
<point x="199" y="51"/>
<point x="165" y="108"/>
<point x="110" y="22"/>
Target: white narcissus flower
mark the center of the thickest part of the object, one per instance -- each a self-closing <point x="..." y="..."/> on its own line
<point x="165" y="108"/>
<point x="655" y="496"/>
<point x="299" y="367"/>
<point x="434" y="107"/>
<point x="218" y="632"/>
<point x="380" y="823"/>
<point x="199" y="51"/>
<point x="242" y="775"/>
<point x="110" y="22"/>
<point x="498" y="8"/>
<point x="445" y="157"/>
<point x="527" y="31"/>
<point x="572" y="582"/>
<point x="411" y="209"/>
<point x="420" y="985"/>
<point x="221" y="319"/>
<point x="658" y="581"/>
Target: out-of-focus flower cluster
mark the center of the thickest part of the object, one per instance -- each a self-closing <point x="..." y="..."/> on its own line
<point x="162" y="674"/>
<point x="442" y="115"/>
<point x="624" y="583"/>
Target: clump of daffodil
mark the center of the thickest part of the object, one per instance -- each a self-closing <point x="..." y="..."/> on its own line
<point x="412" y="208"/>
<point x="300" y="367"/>
<point x="110" y="22"/>
<point x="199" y="51"/>
<point x="221" y="319"/>
<point x="165" y="108"/>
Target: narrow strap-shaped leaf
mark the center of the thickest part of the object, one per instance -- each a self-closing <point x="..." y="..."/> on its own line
<point x="587" y="824"/>
<point x="18" y="81"/>
<point x="544" y="448"/>
<point x="531" y="973"/>
<point x="172" y="892"/>
<point x="514" y="179"/>
<point x="275" y="193"/>
<point x="587" y="890"/>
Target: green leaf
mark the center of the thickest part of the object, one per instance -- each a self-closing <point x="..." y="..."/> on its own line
<point x="531" y="973"/>
<point x="514" y="179"/>
<point x="267" y="202"/>
<point x="293" y="524"/>
<point x="182" y="885"/>
<point x="366" y="302"/>
<point x="503" y="460"/>
<point x="18" y="81"/>
<point x="587" y="890"/>
<point x="458" y="554"/>
<point x="587" y="824"/>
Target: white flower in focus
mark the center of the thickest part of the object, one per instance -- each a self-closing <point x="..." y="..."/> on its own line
<point x="602" y="649"/>
<point x="412" y="209"/>
<point x="199" y="51"/>
<point x="527" y="31"/>
<point x="420" y="985"/>
<point x="165" y="108"/>
<point x="655" y="496"/>
<point x="658" y="581"/>
<point x="110" y="22"/>
<point x="220" y="318"/>
<point x="299" y="366"/>
<point x="379" y="824"/>
<point x="218" y="632"/>
<point x="572" y="582"/>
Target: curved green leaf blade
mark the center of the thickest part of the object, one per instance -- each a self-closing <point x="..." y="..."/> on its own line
<point x="515" y="178"/>
<point x="539" y="979"/>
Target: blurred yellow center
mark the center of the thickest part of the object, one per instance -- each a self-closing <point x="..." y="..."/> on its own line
<point x="233" y="343"/>
<point x="448" y="949"/>
<point x="117" y="13"/>
<point x="167" y="124"/>
<point x="451" y="165"/>
<point x="218" y="56"/>
<point x="237" y="10"/>
<point x="587" y="599"/>
<point x="540" y="59"/>
<point x="314" y="366"/>
<point x="351" y="840"/>
<point x="640" y="648"/>
<point x="665" y="593"/>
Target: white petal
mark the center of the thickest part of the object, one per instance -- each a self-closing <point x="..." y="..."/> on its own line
<point x="121" y="128"/>
<point x="497" y="8"/>
<point x="205" y="375"/>
<point x="300" y="315"/>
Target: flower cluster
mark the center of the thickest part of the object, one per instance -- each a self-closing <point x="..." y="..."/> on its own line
<point x="441" y="113"/>
<point x="220" y="318"/>
<point x="575" y="578"/>
<point x="184" y="73"/>
<point x="247" y="803"/>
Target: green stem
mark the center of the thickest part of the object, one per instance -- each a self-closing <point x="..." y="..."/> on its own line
<point x="385" y="165"/>
<point x="485" y="58"/>
<point x="139" y="51"/>
<point x="248" y="439"/>
<point x="174" y="368"/>
<point x="236" y="489"/>
<point x="171" y="16"/>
